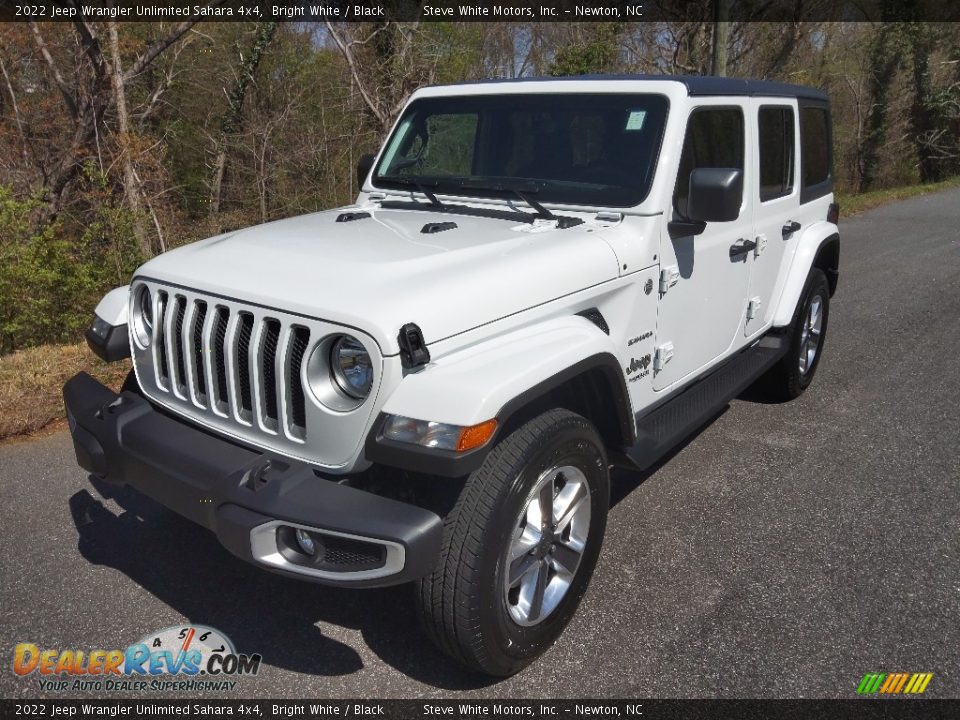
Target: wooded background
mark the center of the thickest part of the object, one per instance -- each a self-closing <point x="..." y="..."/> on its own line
<point x="118" y="141"/>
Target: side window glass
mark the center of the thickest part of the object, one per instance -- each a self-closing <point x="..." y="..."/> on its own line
<point x="715" y="139"/>
<point x="815" y="145"/>
<point x="776" y="135"/>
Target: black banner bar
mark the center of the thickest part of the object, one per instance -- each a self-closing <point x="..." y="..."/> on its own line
<point x="855" y="709"/>
<point x="479" y="10"/>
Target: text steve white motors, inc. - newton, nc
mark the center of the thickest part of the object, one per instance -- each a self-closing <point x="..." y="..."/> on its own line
<point x="584" y="11"/>
<point x="500" y="709"/>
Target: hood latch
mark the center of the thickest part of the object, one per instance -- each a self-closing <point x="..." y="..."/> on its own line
<point x="413" y="348"/>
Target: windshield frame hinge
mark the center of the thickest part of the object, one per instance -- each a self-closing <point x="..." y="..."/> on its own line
<point x="669" y="276"/>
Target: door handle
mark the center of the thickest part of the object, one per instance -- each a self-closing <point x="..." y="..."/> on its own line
<point x="742" y="246"/>
<point x="790" y="228"/>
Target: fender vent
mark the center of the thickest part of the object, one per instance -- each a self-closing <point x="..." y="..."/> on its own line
<point x="594" y="316"/>
<point x="431" y="228"/>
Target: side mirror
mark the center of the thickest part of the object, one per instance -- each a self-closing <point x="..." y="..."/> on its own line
<point x="715" y="194"/>
<point x="364" y="166"/>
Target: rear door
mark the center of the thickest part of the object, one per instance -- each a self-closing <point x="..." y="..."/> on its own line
<point x="776" y="195"/>
<point x="704" y="287"/>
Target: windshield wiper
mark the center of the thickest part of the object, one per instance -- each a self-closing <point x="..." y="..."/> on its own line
<point x="523" y="192"/>
<point x="420" y="185"/>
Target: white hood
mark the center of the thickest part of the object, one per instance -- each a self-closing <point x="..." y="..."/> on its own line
<point x="381" y="272"/>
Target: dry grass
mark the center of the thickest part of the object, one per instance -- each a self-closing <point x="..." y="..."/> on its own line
<point x="856" y="204"/>
<point x="31" y="382"/>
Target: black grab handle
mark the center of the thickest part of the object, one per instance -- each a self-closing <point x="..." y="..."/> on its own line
<point x="791" y="227"/>
<point x="742" y="246"/>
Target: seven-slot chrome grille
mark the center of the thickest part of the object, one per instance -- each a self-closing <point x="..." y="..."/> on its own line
<point x="242" y="369"/>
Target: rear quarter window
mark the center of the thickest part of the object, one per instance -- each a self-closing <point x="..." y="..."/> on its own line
<point x="776" y="131"/>
<point x="815" y="152"/>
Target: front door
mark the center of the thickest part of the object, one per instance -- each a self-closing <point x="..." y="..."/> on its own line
<point x="704" y="278"/>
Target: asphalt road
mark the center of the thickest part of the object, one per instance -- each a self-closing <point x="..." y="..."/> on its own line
<point x="783" y="552"/>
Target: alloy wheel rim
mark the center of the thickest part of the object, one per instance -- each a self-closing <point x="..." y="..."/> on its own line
<point x="810" y="334"/>
<point x="547" y="545"/>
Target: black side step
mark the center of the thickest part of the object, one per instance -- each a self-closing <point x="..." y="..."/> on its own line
<point x="662" y="428"/>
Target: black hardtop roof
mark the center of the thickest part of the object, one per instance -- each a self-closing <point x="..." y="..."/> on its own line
<point x="697" y="85"/>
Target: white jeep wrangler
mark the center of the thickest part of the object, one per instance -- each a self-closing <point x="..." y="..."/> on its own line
<point x="539" y="280"/>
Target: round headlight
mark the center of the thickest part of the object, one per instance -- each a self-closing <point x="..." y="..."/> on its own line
<point x="143" y="316"/>
<point x="351" y="367"/>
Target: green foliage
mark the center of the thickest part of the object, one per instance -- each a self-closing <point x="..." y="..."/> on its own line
<point x="49" y="284"/>
<point x="598" y="54"/>
<point x="460" y="47"/>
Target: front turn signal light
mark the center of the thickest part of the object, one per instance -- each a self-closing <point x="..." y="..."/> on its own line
<point x="476" y="435"/>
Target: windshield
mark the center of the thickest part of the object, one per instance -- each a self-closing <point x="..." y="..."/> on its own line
<point x="574" y="149"/>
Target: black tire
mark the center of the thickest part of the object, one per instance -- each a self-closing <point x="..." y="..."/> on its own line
<point x="786" y="380"/>
<point x="462" y="603"/>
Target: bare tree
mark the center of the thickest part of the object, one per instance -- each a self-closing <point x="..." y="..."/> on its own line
<point x="396" y="59"/>
<point x="16" y="112"/>
<point x="94" y="93"/>
<point x="131" y="185"/>
<point x="721" y="37"/>
<point x="232" y="121"/>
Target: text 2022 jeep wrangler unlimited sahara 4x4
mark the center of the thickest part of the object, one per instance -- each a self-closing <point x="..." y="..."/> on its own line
<point x="539" y="279"/>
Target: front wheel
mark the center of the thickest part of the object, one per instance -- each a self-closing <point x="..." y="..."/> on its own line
<point x="520" y="546"/>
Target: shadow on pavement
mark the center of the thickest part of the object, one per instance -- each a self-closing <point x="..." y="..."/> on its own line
<point x="624" y="481"/>
<point x="184" y="566"/>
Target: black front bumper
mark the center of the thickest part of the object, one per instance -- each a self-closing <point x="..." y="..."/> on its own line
<point x="233" y="490"/>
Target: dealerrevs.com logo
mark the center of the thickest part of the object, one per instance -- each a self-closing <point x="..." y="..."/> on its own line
<point x="190" y="658"/>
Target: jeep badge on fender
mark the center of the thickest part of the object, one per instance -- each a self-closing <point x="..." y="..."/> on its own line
<point x="537" y="280"/>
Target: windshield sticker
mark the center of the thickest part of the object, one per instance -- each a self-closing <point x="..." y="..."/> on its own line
<point x="635" y="120"/>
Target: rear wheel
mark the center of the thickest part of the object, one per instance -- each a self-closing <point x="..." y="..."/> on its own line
<point x="520" y="546"/>
<point x="793" y="374"/>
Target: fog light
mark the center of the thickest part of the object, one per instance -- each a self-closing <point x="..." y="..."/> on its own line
<point x="306" y="543"/>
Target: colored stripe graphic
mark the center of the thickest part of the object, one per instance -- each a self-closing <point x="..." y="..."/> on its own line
<point x="926" y="681"/>
<point x="894" y="683"/>
<point x="870" y="683"/>
<point x="902" y="682"/>
<point x="889" y="683"/>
